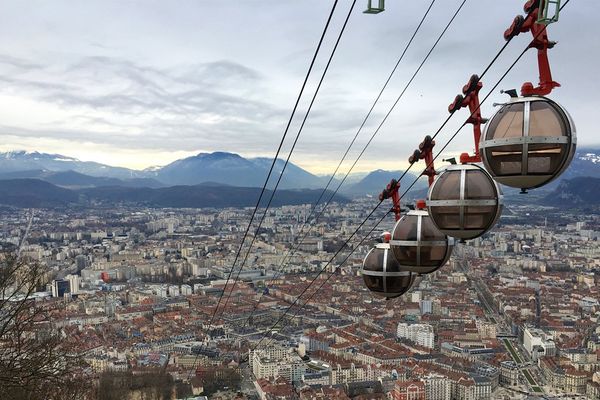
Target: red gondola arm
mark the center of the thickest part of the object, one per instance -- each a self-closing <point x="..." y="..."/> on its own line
<point x="471" y="100"/>
<point x="391" y="192"/>
<point x="425" y="152"/>
<point x="540" y="42"/>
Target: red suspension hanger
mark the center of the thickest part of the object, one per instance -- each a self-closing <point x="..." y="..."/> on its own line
<point x="391" y="192"/>
<point x="536" y="22"/>
<point x="470" y="99"/>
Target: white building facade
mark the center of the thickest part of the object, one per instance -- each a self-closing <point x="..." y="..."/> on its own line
<point x="421" y="334"/>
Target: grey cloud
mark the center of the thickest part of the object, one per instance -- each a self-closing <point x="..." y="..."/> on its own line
<point x="149" y="90"/>
<point x="174" y="100"/>
<point x="36" y="88"/>
<point x="18" y="63"/>
<point x="164" y="135"/>
<point x="100" y="69"/>
<point x="217" y="72"/>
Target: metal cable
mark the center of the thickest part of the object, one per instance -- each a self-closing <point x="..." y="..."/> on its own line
<point x="293" y="250"/>
<point x="290" y="153"/>
<point x="273" y="164"/>
<point x="364" y="149"/>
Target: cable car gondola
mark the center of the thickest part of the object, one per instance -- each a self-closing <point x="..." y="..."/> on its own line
<point x="529" y="142"/>
<point x="464" y="201"/>
<point x="418" y="245"/>
<point x="416" y="242"/>
<point x="383" y="275"/>
<point x="381" y="272"/>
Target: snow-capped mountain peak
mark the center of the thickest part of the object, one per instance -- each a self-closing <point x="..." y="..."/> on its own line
<point x="591" y="157"/>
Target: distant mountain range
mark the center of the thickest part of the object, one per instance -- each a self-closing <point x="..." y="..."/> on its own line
<point x="232" y="169"/>
<point x="76" y="180"/>
<point x="17" y="161"/>
<point x="218" y="169"/>
<point x="580" y="192"/>
<point x="38" y="193"/>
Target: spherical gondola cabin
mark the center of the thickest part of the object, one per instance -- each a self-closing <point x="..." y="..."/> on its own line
<point x="464" y="201"/>
<point x="529" y="142"/>
<point x="383" y="275"/>
<point x="418" y="246"/>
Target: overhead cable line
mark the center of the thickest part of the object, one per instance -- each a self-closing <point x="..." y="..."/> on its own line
<point x="373" y="136"/>
<point x="293" y="249"/>
<point x="406" y="190"/>
<point x="275" y="158"/>
<point x="274" y="190"/>
<point x="391" y="109"/>
<point x="485" y="71"/>
<point x="403" y="194"/>
<point x="385" y="119"/>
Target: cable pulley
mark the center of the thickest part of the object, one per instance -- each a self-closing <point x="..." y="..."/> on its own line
<point x="391" y="192"/>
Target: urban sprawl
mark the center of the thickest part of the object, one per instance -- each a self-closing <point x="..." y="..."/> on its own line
<point x="513" y="314"/>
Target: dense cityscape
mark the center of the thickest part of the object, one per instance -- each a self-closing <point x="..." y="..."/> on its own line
<point x="132" y="290"/>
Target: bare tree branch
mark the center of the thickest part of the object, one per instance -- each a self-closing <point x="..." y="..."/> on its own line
<point x="34" y="359"/>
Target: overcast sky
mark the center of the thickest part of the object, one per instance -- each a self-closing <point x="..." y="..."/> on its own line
<point x="142" y="83"/>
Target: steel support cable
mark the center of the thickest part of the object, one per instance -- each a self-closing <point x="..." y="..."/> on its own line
<point x="390" y="111"/>
<point x="417" y="179"/>
<point x="369" y="142"/>
<point x="494" y="59"/>
<point x="312" y="63"/>
<point x="290" y="152"/>
<point x="403" y="194"/>
<point x="276" y="154"/>
<point x="292" y="251"/>
<point x="388" y="212"/>
<point x="398" y="100"/>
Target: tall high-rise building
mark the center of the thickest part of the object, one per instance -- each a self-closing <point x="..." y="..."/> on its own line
<point x="74" y="282"/>
<point x="426" y="306"/>
<point x="421" y="334"/>
<point x="60" y="287"/>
